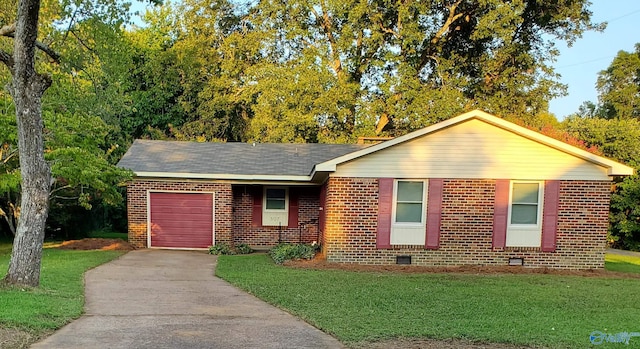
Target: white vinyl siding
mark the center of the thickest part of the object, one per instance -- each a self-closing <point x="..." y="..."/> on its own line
<point x="408" y="222"/>
<point x="275" y="206"/>
<point x="524" y="228"/>
<point x="472" y="149"/>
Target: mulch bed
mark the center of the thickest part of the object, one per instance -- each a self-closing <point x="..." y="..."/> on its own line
<point x="96" y="244"/>
<point x="320" y="264"/>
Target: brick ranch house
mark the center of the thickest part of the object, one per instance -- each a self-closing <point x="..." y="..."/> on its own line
<point x="474" y="189"/>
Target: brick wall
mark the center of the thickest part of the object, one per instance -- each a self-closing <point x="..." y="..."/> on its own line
<point x="266" y="237"/>
<point x="466" y="227"/>
<point x="137" y="206"/>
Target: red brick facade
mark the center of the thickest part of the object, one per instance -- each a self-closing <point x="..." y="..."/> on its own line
<point x="351" y="209"/>
<point x="233" y="213"/>
<point x="137" y="206"/>
<point x="467" y="226"/>
<point x="259" y="237"/>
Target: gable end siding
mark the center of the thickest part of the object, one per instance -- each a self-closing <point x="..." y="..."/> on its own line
<point x="472" y="149"/>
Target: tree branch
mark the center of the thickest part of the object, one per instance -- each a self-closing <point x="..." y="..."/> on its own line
<point x="59" y="188"/>
<point x="8" y="157"/>
<point x="10" y="32"/>
<point x="65" y="197"/>
<point x="8" y="29"/>
<point x="7" y="59"/>
<point x="82" y="41"/>
<point x="428" y="49"/>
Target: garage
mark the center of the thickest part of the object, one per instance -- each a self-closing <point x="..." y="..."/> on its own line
<point x="180" y="220"/>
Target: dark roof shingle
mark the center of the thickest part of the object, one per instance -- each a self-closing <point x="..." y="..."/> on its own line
<point x="230" y="158"/>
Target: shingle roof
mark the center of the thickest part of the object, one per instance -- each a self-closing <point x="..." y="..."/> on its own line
<point x="269" y="159"/>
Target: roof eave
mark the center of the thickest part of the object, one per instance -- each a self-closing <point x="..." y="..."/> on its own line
<point x="224" y="176"/>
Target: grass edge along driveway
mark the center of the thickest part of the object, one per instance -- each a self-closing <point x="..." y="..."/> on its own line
<point x="26" y="315"/>
<point x="553" y="311"/>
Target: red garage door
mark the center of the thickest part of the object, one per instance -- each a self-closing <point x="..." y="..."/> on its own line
<point x="181" y="220"/>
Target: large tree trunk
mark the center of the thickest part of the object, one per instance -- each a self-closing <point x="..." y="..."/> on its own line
<point x="27" y="88"/>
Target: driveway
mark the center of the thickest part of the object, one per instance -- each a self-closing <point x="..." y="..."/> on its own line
<point x="170" y="299"/>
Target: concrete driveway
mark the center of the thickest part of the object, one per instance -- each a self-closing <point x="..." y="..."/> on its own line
<point x="170" y="299"/>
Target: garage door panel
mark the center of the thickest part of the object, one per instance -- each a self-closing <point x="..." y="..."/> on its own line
<point x="184" y="216"/>
<point x="181" y="220"/>
<point x="183" y="227"/>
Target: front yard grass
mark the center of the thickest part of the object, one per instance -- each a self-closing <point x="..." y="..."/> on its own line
<point x="536" y="310"/>
<point x="58" y="300"/>
<point x="622" y="263"/>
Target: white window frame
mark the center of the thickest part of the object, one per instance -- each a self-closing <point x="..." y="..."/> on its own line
<point x="409" y="233"/>
<point x="275" y="217"/>
<point x="525" y="235"/>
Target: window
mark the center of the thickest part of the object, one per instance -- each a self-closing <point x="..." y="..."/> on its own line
<point x="524" y="203"/>
<point x="276" y="199"/>
<point x="525" y="211"/>
<point x="409" y="202"/>
<point x="275" y="205"/>
<point x="409" y="213"/>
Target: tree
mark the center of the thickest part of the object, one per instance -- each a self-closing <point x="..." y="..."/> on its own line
<point x="613" y="125"/>
<point x="405" y="65"/>
<point x="618" y="139"/>
<point x="619" y="87"/>
<point x="26" y="88"/>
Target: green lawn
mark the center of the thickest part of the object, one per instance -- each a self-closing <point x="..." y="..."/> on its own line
<point x="107" y="235"/>
<point x="625" y="264"/>
<point x="60" y="297"/>
<point x="545" y="310"/>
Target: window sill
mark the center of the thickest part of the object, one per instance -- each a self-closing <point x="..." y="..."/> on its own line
<point x="406" y="247"/>
<point x="523" y="249"/>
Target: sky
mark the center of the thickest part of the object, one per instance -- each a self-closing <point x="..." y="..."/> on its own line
<point x="580" y="64"/>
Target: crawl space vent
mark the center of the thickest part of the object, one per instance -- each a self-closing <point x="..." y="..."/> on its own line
<point x="516" y="261"/>
<point x="403" y="259"/>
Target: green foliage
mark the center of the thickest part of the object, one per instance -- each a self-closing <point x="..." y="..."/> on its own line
<point x="221" y="249"/>
<point x="226" y="249"/>
<point x="617" y="138"/>
<point x="624" y="227"/>
<point x="287" y="252"/>
<point x="243" y="249"/>
<point x="107" y="234"/>
<point x="331" y="71"/>
<point x="560" y="311"/>
<point x="619" y="87"/>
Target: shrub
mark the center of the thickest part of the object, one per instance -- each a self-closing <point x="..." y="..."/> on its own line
<point x="285" y="252"/>
<point x="243" y="249"/>
<point x="221" y="249"/>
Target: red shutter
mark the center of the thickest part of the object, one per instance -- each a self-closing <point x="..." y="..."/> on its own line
<point x="293" y="208"/>
<point x="256" y="212"/>
<point x="385" y="203"/>
<point x="434" y="213"/>
<point x="323" y="202"/>
<point x="550" y="215"/>
<point x="500" y="213"/>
